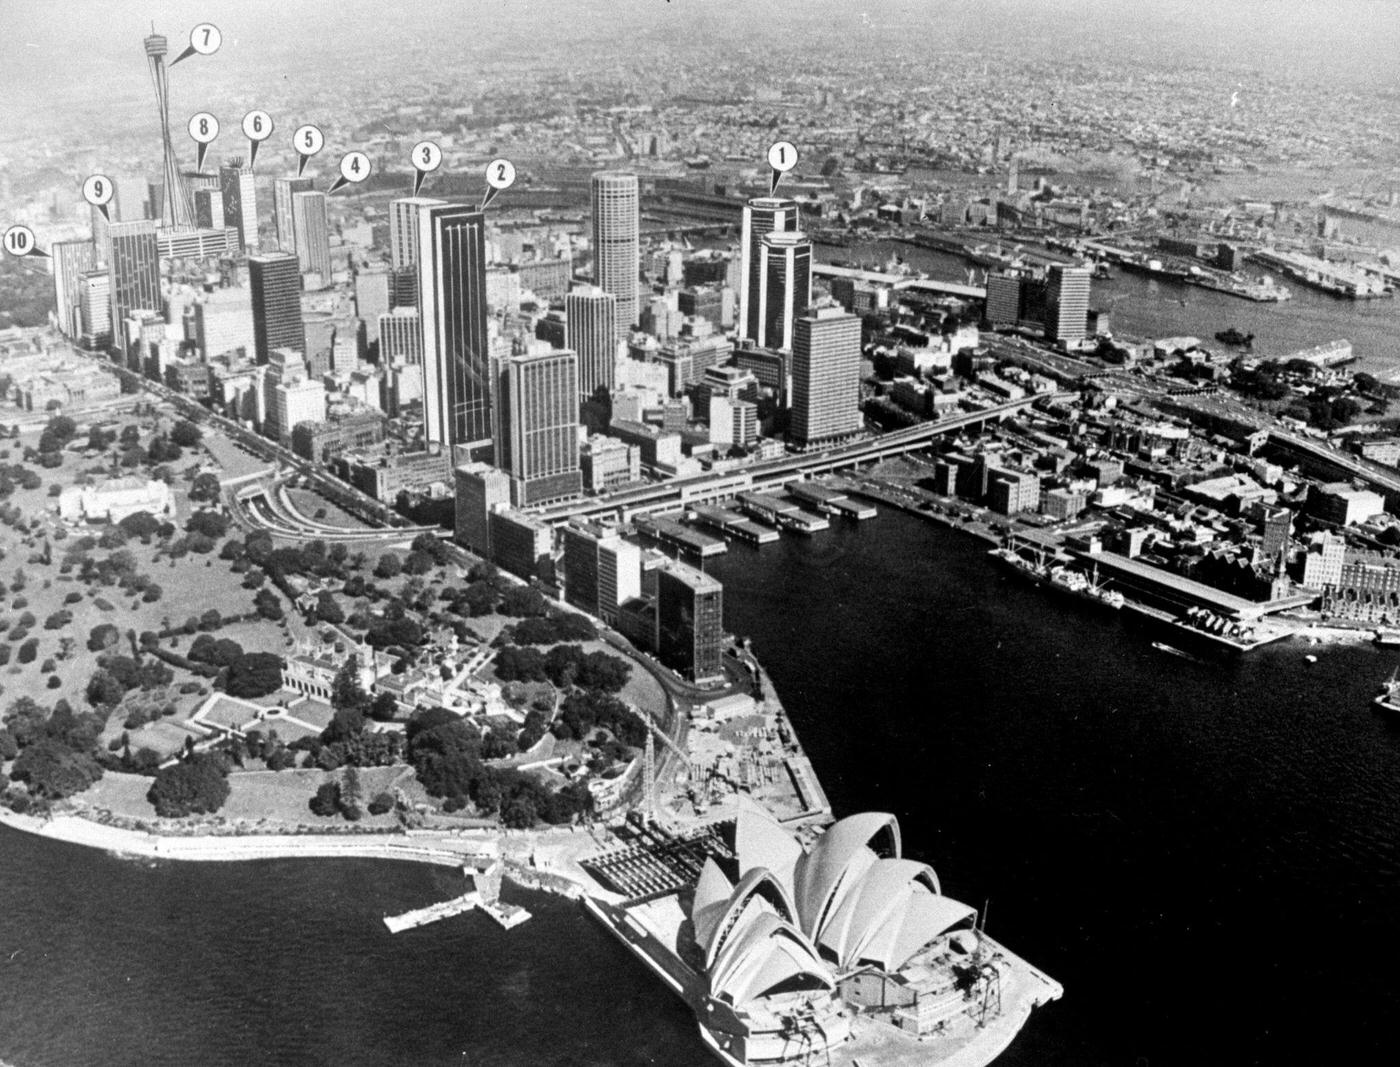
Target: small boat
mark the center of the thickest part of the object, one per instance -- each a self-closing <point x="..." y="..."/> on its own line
<point x="1386" y="637"/>
<point x="1310" y="658"/>
<point x="1161" y="646"/>
<point x="1389" y="697"/>
<point x="1233" y="336"/>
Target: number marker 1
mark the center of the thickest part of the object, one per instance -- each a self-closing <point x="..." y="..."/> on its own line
<point x="782" y="157"/>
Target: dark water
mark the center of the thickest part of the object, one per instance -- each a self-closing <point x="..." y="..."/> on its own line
<point x="1206" y="856"/>
<point x="1140" y="306"/>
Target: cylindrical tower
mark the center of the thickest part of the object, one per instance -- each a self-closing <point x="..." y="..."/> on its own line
<point x="616" y="242"/>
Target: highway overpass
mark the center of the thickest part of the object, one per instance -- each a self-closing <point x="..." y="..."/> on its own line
<point x="772" y="473"/>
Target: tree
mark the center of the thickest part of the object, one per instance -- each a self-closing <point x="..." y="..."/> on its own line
<point x="29" y="651"/>
<point x="389" y="566"/>
<point x="328" y="609"/>
<point x="384" y="707"/>
<point x="326" y="802"/>
<point x="54" y="771"/>
<point x="433" y="547"/>
<point x="256" y="674"/>
<point x="209" y="523"/>
<point x="102" y="637"/>
<point x="197" y="785"/>
<point x="351" y="795"/>
<point x="205" y="487"/>
<point x="185" y="433"/>
<point x="268" y="605"/>
<point x="519" y="813"/>
<point x="381" y="804"/>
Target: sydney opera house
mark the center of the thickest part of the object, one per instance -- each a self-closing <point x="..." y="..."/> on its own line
<point x="840" y="953"/>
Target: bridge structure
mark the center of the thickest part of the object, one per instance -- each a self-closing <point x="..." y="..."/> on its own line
<point x="774" y="473"/>
<point x="903" y="282"/>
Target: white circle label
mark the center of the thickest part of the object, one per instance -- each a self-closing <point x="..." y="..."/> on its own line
<point x="257" y="125"/>
<point x="18" y="240"/>
<point x="782" y="157"/>
<point x="206" y="38"/>
<point x="354" y="166"/>
<point x="98" y="190"/>
<point x="500" y="174"/>
<point x="308" y="140"/>
<point x="426" y="156"/>
<point x="204" y="127"/>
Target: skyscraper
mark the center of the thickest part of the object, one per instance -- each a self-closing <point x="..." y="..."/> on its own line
<point x="1066" y="303"/>
<point x="601" y="570"/>
<point x="825" y="376"/>
<point x="275" y="282"/>
<point x="784" y="271"/>
<point x="404" y="229"/>
<point x="311" y="233"/>
<point x="209" y="209"/>
<point x="452" y="305"/>
<point x="590" y="329"/>
<point x="616" y="243"/>
<point x="481" y="490"/>
<point x="541" y="427"/>
<point x="240" y="201"/>
<point x="135" y="269"/>
<point x="689" y="621"/>
<point x="282" y="191"/>
<point x="762" y="215"/>
<point x="71" y="260"/>
<point x="95" y="296"/>
<point x="176" y="210"/>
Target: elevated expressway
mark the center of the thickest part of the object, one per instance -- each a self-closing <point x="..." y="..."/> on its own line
<point x="772" y="473"/>
<point x="268" y="506"/>
<point x="1384" y="480"/>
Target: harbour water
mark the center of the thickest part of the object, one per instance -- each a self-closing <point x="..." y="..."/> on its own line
<point x="1140" y="306"/>
<point x="1206" y="855"/>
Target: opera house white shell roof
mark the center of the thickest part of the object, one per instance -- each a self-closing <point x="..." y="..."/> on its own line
<point x="797" y="920"/>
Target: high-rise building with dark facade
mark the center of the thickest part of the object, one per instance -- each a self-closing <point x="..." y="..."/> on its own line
<point x="600" y="570"/>
<point x="590" y="329"/>
<point x="617" y="242"/>
<point x="311" y="233"/>
<point x="1066" y="303"/>
<point x="135" y="269"/>
<point x="785" y="285"/>
<point x="762" y="215"/>
<point x="825" y="376"/>
<point x="274" y="281"/>
<point x="240" y="201"/>
<point x="209" y="209"/>
<point x="71" y="260"/>
<point x="539" y="445"/>
<point x="481" y="490"/>
<point x="457" y="384"/>
<point x="689" y="621"/>
<point x="283" y="189"/>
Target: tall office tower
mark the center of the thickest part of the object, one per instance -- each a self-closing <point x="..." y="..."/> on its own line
<point x="825" y="376"/>
<point x="209" y="209"/>
<point x="176" y="209"/>
<point x="404" y="229"/>
<point x="223" y="322"/>
<point x="283" y="189"/>
<point x="155" y="199"/>
<point x="1066" y="303"/>
<point x="95" y="306"/>
<point x="689" y="621"/>
<point x="762" y="215"/>
<point x="274" y="280"/>
<point x="481" y="489"/>
<point x="240" y="201"/>
<point x="1005" y="299"/>
<point x="785" y="285"/>
<point x="601" y="570"/>
<point x="540" y="413"/>
<point x="135" y="269"/>
<point x="311" y="233"/>
<point x="452" y="304"/>
<point x="403" y="287"/>
<point x="101" y="233"/>
<point x="400" y="337"/>
<point x="371" y="300"/>
<point x="616" y="243"/>
<point x="71" y="260"/>
<point x="590" y="329"/>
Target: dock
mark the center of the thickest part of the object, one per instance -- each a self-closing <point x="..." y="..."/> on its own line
<point x="673" y="534"/>
<point x="831" y="501"/>
<point x="733" y="524"/>
<point x="509" y="916"/>
<point x="781" y="512"/>
<point x="433" y="912"/>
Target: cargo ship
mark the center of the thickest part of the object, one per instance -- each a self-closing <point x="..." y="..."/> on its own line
<point x="1061" y="579"/>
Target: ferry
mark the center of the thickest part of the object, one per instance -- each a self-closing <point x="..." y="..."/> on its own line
<point x="1389" y="697"/>
<point x="1386" y="638"/>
